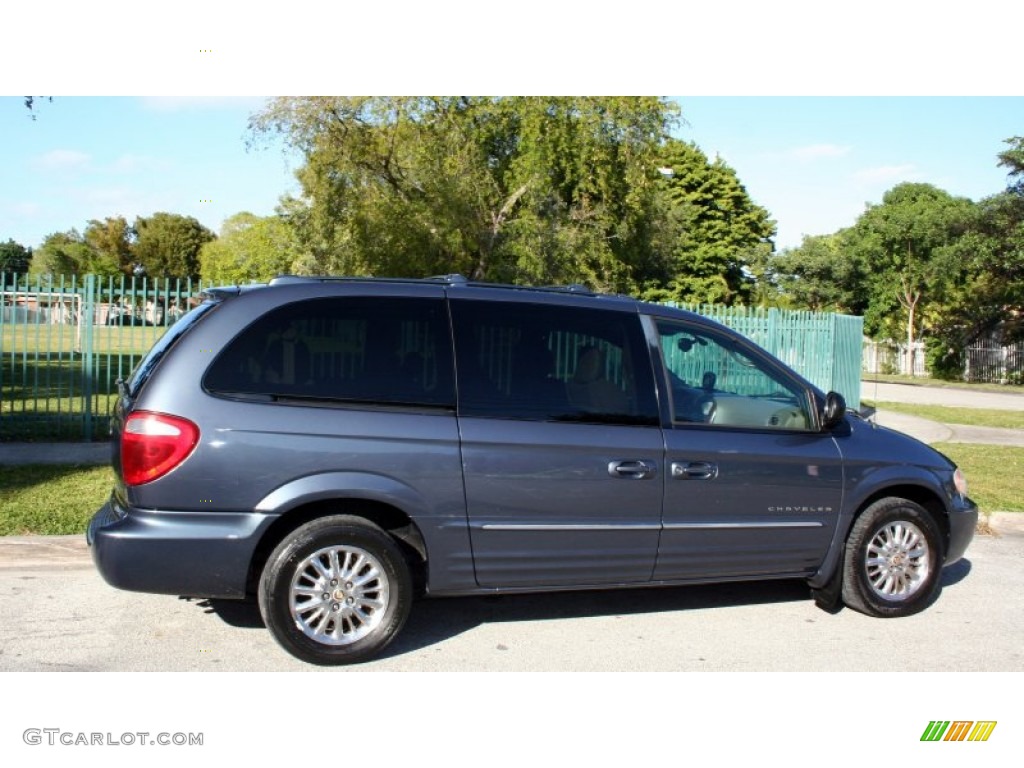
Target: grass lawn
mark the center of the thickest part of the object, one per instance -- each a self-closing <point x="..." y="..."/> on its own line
<point x="995" y="474"/>
<point x="43" y="378"/>
<point x="975" y="417"/>
<point x="49" y="500"/>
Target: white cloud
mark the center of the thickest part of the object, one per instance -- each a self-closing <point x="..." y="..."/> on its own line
<point x="816" y="151"/>
<point x="888" y="173"/>
<point x="63" y="160"/>
<point x="106" y="195"/>
<point x="129" y="163"/>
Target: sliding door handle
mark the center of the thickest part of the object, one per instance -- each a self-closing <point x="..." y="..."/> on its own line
<point x="636" y="469"/>
<point x="694" y="470"/>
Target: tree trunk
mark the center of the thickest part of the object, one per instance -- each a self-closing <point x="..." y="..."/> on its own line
<point x="911" y="306"/>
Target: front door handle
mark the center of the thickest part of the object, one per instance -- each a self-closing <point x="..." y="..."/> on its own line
<point x="695" y="470"/>
<point x="635" y="469"/>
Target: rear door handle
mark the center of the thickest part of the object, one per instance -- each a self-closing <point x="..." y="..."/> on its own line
<point x="634" y="469"/>
<point x="694" y="470"/>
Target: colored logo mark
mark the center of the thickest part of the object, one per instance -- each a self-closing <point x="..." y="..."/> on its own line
<point x="958" y="730"/>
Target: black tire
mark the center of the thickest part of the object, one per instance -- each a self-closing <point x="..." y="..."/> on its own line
<point x="336" y="590"/>
<point x="893" y="559"/>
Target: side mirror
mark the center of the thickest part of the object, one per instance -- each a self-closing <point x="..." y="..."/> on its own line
<point x="834" y="410"/>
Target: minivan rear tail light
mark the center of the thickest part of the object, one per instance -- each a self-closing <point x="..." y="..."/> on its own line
<point x="152" y="444"/>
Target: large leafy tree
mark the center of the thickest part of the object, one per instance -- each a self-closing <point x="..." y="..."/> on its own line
<point x="14" y="257"/>
<point x="524" y="189"/>
<point x="112" y="240"/>
<point x="66" y="253"/>
<point x="168" y="244"/>
<point x="985" y="288"/>
<point x="823" y="274"/>
<point x="252" y="248"/>
<point x="901" y="244"/>
<point x="719" y="238"/>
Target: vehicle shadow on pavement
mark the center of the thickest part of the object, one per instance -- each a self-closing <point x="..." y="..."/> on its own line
<point x="244" y="614"/>
<point x="435" y="620"/>
<point x="955" y="573"/>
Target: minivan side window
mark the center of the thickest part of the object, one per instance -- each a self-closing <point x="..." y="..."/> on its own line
<point x="373" y="350"/>
<point x="714" y="381"/>
<point x="552" y="363"/>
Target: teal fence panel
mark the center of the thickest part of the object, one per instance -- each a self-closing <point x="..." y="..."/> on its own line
<point x="65" y="341"/>
<point x="825" y="348"/>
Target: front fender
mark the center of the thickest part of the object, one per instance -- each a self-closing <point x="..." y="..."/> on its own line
<point x="873" y="482"/>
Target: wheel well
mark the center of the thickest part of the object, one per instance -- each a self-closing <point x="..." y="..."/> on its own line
<point x="919" y="495"/>
<point x="393" y="520"/>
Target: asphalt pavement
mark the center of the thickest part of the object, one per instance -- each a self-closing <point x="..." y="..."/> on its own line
<point x="56" y="613"/>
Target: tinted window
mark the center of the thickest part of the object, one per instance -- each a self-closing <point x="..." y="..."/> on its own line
<point x="715" y="381"/>
<point x="540" y="362"/>
<point x="373" y="350"/>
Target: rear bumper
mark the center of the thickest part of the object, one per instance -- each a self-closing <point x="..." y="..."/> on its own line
<point x="963" y="520"/>
<point x="199" y="554"/>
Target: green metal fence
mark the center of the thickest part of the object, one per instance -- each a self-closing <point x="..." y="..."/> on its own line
<point x="824" y="348"/>
<point x="64" y="342"/>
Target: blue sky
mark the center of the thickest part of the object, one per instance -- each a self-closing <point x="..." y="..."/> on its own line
<point x="813" y="162"/>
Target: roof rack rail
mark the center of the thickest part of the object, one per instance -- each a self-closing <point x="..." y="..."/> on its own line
<point x="570" y="288"/>
<point x="453" y="279"/>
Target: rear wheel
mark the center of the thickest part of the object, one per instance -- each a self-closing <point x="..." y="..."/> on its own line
<point x="893" y="559"/>
<point x="335" y="591"/>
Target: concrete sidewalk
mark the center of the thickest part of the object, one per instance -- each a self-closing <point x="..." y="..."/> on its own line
<point x="1010" y="400"/>
<point x="933" y="432"/>
<point x="55" y="453"/>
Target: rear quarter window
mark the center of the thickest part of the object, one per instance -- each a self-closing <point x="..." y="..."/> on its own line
<point x="149" y="362"/>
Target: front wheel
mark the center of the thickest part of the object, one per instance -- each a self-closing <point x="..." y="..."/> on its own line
<point x="893" y="559"/>
<point x="335" y="591"/>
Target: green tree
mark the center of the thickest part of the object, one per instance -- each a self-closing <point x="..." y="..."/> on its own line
<point x="14" y="257"/>
<point x="823" y="274"/>
<point x="251" y="248"/>
<point x="523" y="189"/>
<point x="63" y="253"/>
<point x="112" y="239"/>
<point x="168" y="244"/>
<point x="718" y="236"/>
<point x="901" y="243"/>
<point x="1013" y="158"/>
<point x="985" y="283"/>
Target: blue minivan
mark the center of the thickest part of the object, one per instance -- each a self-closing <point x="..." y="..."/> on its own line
<point x="336" y="447"/>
